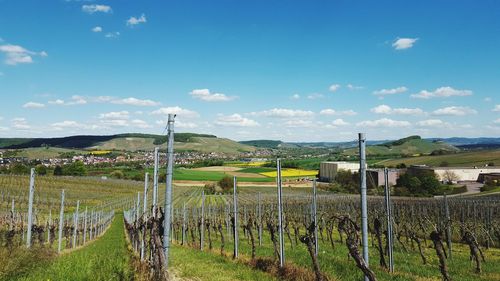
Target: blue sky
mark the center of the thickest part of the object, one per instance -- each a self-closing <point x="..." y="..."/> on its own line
<point x="289" y="70"/>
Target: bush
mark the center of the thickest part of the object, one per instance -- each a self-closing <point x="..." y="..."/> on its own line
<point x="41" y="170"/>
<point x="117" y="174"/>
<point x="19" y="169"/>
<point x="58" y="171"/>
<point x="226" y="184"/>
<point x="209" y="188"/>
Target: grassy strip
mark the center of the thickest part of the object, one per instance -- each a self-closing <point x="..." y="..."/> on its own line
<point x="191" y="263"/>
<point x="105" y="259"/>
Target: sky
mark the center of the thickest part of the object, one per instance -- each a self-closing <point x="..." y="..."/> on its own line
<point x="260" y="69"/>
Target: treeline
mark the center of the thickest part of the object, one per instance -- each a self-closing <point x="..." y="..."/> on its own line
<point x="74" y="169"/>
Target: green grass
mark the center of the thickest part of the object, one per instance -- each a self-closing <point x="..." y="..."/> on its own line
<point x="409" y="147"/>
<point x="473" y="158"/>
<point x="191" y="263"/>
<point x="197" y="175"/>
<point x="408" y="266"/>
<point x="104" y="259"/>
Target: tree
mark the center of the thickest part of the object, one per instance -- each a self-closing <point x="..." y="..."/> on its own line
<point x="444" y="164"/>
<point x="450" y="177"/>
<point x="58" y="171"/>
<point x="19" y="169"/>
<point x="226" y="184"/>
<point x="75" y="169"/>
<point x="41" y="170"/>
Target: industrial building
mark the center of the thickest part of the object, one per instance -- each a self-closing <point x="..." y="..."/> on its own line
<point x="375" y="177"/>
<point x="328" y="170"/>
<point x="457" y="173"/>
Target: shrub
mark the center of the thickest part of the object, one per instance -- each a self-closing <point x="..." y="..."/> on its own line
<point x="226" y="184"/>
<point x="117" y="174"/>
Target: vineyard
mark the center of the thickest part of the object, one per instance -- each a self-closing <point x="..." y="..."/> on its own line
<point x="276" y="233"/>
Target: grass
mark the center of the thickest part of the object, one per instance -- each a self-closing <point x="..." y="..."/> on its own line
<point x="337" y="266"/>
<point x="104" y="259"/>
<point x="472" y="158"/>
<point x="191" y="263"/>
<point x="45" y="153"/>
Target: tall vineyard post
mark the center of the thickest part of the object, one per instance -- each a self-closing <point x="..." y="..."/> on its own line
<point x="388" y="211"/>
<point x="30" y="207"/>
<point x="364" y="207"/>
<point x="75" y="229"/>
<point x="235" y="217"/>
<point x="155" y="182"/>
<point x="315" y="218"/>
<point x="168" y="191"/>
<point x="61" y="219"/>
<point x="280" y="214"/>
<point x="448" y="224"/>
<point x="144" y="214"/>
<point x="85" y="226"/>
<point x="202" y="225"/>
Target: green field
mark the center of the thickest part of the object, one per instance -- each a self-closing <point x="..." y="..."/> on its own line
<point x="468" y="159"/>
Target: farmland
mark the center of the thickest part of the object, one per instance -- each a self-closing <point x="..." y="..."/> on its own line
<point x="472" y="158"/>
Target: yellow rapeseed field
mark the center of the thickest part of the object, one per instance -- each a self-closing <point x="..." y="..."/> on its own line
<point x="249" y="164"/>
<point x="292" y="173"/>
<point x="100" y="152"/>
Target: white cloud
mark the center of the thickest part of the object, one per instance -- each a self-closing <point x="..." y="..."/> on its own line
<point x="77" y="100"/>
<point x="455" y="111"/>
<point x="182" y="112"/>
<point x="353" y="87"/>
<point x="134" y="101"/>
<point x="339" y="122"/>
<point x="442" y="92"/>
<point x="97" y="29"/>
<point x="404" y="43"/>
<point x="235" y="120"/>
<point x="394" y="91"/>
<point x="15" y="54"/>
<point x="283" y="113"/>
<point x="67" y="124"/>
<point x="315" y="96"/>
<point x="334" y="87"/>
<point x="115" y="122"/>
<point x="384" y="122"/>
<point x="497" y="121"/>
<point x="331" y="112"/>
<point x="185" y="125"/>
<point x="112" y="34"/>
<point x="20" y="124"/>
<point x="140" y="124"/>
<point x="299" y="123"/>
<point x="295" y="97"/>
<point x="96" y="8"/>
<point x="205" y="95"/>
<point x="432" y="123"/>
<point x="33" y="105"/>
<point x="122" y="115"/>
<point x="385" y="109"/>
<point x="56" y="102"/>
<point x="497" y="108"/>
<point x="135" y="21"/>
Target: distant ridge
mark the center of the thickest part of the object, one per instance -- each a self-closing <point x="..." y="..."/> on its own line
<point x="86" y="141"/>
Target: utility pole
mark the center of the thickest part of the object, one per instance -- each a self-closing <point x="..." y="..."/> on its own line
<point x="168" y="192"/>
<point x="364" y="207"/>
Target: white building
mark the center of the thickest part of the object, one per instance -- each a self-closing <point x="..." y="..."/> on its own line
<point x="328" y="170"/>
<point x="457" y="173"/>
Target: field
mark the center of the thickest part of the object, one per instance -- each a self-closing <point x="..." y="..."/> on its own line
<point x="44" y="153"/>
<point x="473" y="158"/>
<point x="187" y="261"/>
<point x="292" y="173"/>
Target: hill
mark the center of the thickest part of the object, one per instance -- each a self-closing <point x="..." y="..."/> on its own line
<point x="462" y="159"/>
<point x="129" y="142"/>
<point x="413" y="145"/>
<point x="263" y="143"/>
